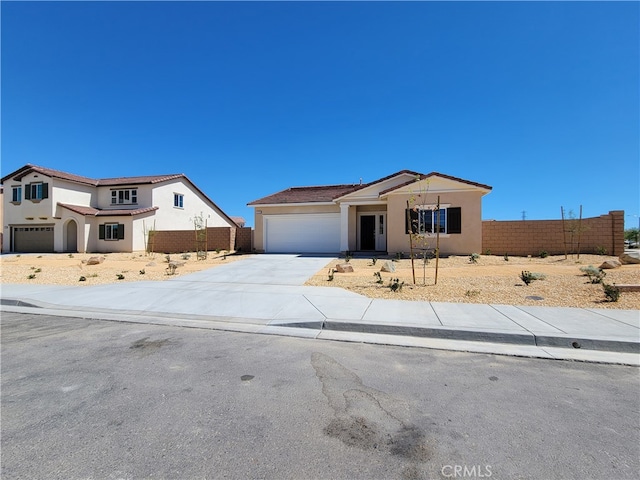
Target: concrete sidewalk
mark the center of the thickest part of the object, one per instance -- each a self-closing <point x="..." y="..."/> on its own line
<point x="264" y="294"/>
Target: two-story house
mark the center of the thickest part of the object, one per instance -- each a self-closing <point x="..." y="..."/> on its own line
<point x="46" y="210"/>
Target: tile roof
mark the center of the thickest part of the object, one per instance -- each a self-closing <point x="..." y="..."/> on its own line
<point x="329" y="193"/>
<point x="307" y="194"/>
<point x="28" y="168"/>
<point x="95" y="212"/>
<point x="437" y="174"/>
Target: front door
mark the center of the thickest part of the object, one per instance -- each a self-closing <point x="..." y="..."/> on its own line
<point x="367" y="232"/>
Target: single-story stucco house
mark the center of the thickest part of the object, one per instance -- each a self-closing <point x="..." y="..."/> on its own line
<point x="380" y="216"/>
<point x="46" y="210"/>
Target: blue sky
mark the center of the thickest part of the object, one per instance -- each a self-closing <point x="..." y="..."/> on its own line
<point x="538" y="99"/>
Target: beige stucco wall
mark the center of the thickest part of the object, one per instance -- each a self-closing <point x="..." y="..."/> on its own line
<point x="467" y="242"/>
<point x="174" y="218"/>
<point x="260" y="211"/>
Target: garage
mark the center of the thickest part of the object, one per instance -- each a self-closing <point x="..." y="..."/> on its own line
<point x="37" y="239"/>
<point x="307" y="233"/>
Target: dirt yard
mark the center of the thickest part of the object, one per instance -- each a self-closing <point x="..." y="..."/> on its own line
<point x="491" y="280"/>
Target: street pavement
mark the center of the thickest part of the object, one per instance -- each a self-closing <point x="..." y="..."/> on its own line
<point x="265" y="294"/>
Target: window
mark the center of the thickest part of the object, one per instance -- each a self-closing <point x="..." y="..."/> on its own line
<point x="36" y="191"/>
<point x="111" y="231"/>
<point x="16" y="194"/>
<point x="127" y="196"/>
<point x="178" y="200"/>
<point x="429" y="221"/>
<point x="432" y="221"/>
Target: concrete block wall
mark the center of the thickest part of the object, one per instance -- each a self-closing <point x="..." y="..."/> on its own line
<point x="530" y="237"/>
<point x="223" y="238"/>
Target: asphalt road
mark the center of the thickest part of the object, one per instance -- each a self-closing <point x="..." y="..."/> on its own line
<point x="107" y="400"/>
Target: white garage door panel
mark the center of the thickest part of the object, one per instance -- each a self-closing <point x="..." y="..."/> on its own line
<point x="311" y="233"/>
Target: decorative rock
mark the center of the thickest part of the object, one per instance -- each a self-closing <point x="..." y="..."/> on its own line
<point x="344" y="268"/>
<point x="610" y="264"/>
<point x="388" y="267"/>
<point x="150" y="264"/>
<point x="627" y="259"/>
<point x="95" y="260"/>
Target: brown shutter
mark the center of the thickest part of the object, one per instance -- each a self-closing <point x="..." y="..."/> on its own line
<point x="27" y="192"/>
<point x="120" y="231"/>
<point x="101" y="232"/>
<point x="45" y="190"/>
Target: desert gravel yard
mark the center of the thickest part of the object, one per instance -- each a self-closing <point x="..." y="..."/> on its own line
<point x="491" y="280"/>
<point x="67" y="269"/>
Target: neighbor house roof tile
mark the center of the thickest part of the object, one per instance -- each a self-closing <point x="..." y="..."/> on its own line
<point x="95" y="212"/>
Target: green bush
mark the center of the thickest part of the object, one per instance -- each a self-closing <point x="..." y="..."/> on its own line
<point x="527" y="277"/>
<point x="473" y="258"/>
<point x="611" y="292"/>
<point x="596" y="275"/>
<point x="544" y="254"/>
<point x="395" y="285"/>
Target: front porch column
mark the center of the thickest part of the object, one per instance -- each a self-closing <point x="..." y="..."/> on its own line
<point x="344" y="227"/>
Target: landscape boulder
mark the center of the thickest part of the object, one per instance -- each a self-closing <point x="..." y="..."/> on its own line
<point x="344" y="268"/>
<point x="95" y="260"/>
<point x="627" y="259"/>
<point x="388" y="266"/>
<point x="610" y="264"/>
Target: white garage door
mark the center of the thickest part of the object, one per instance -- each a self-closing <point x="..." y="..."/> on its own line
<point x="308" y="233"/>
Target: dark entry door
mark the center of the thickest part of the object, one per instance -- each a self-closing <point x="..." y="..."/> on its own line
<point x="368" y="232"/>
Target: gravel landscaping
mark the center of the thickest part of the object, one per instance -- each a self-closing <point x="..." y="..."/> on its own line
<point x="68" y="269"/>
<point x="491" y="280"/>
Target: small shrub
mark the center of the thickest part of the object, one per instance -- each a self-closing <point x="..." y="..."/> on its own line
<point x="331" y="274"/>
<point x="167" y="258"/>
<point x="506" y="257"/>
<point x="527" y="277"/>
<point x="93" y="275"/>
<point x="395" y="285"/>
<point x="70" y="255"/>
<point x="544" y="254"/>
<point x="374" y="260"/>
<point x="119" y="276"/>
<point x="600" y="250"/>
<point x="218" y="250"/>
<point x="347" y="256"/>
<point x="487" y="251"/>
<point x="186" y="256"/>
<point x="399" y="255"/>
<point x="39" y="256"/>
<point x="378" y="277"/>
<point x="473" y="258"/>
<point x="38" y="270"/>
<point x="171" y="269"/>
<point x="611" y="292"/>
<point x="472" y="293"/>
<point x="142" y="272"/>
<point x="82" y="279"/>
<point x="596" y="275"/>
<point x="32" y="276"/>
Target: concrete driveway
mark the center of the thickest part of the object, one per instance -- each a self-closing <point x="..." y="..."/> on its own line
<point x="262" y="270"/>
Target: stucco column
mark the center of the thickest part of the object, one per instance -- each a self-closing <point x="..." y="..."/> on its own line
<point x="344" y="227"/>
